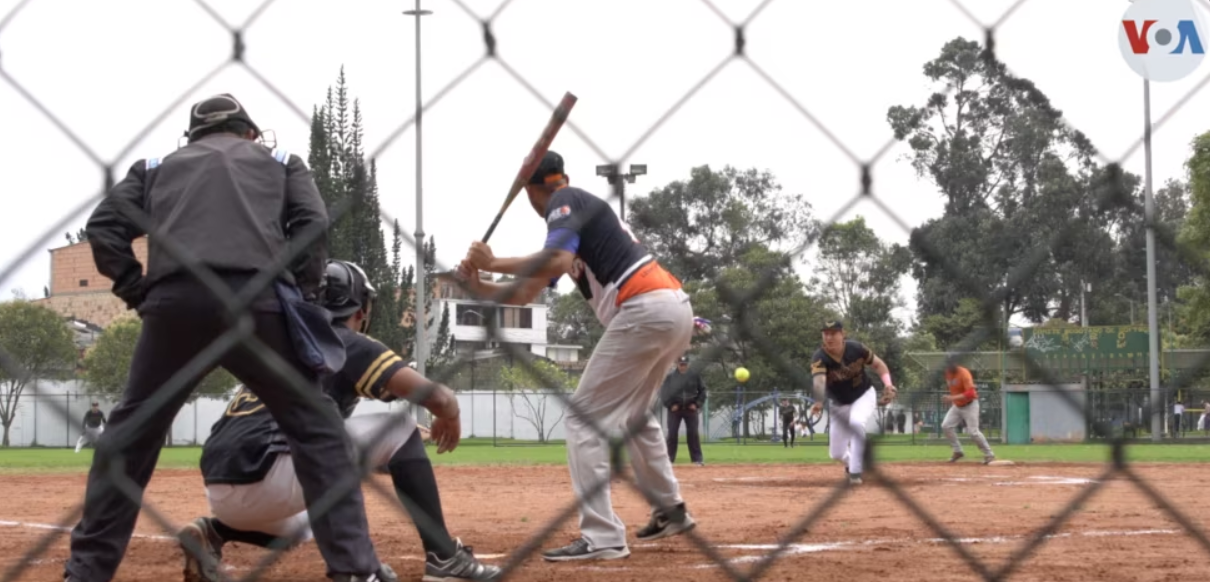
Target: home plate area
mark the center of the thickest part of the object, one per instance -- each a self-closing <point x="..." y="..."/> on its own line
<point x="743" y="512"/>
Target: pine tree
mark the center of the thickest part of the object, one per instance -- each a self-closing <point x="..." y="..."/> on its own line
<point x="442" y="350"/>
<point x="349" y="186"/>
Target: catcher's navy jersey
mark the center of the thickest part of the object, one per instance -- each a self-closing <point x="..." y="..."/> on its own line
<point x="611" y="264"/>
<point x="245" y="442"/>
<point x="847" y="379"/>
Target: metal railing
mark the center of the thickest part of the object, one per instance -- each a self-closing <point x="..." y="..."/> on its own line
<point x="240" y="332"/>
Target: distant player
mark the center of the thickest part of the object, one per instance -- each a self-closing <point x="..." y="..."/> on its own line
<point x="964" y="408"/>
<point x="787" y="424"/>
<point x="93" y="426"/>
<point x="648" y="323"/>
<point x="249" y="474"/>
<point x="839" y="370"/>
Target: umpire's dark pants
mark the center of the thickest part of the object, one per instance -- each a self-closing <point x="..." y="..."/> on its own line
<point x="180" y="318"/>
<point x="787" y="433"/>
<point x="691" y="434"/>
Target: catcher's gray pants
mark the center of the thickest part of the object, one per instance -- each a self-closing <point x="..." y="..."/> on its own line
<point x="179" y="321"/>
<point x="968" y="414"/>
<point x="616" y="391"/>
<point x="276" y="506"/>
<point x="90" y="435"/>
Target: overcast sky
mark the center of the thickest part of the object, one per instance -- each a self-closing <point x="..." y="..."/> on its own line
<point x="108" y="68"/>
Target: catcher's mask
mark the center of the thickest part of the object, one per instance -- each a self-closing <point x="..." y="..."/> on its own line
<point x="347" y="290"/>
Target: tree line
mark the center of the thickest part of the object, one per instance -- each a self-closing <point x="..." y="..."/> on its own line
<point x="1031" y="218"/>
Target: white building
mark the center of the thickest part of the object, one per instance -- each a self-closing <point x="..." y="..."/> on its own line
<point x="523" y="326"/>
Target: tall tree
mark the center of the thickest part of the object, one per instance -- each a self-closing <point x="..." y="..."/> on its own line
<point x="1015" y="179"/>
<point x="858" y="274"/>
<point x="35" y="344"/>
<point x="107" y="363"/>
<point x="1195" y="235"/>
<point x="700" y="226"/>
<point x="772" y="335"/>
<point x="348" y="182"/>
<point x="442" y="351"/>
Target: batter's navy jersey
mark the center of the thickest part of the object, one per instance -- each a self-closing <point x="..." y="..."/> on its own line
<point x="847" y="379"/>
<point x="611" y="264"/>
<point x="245" y="442"/>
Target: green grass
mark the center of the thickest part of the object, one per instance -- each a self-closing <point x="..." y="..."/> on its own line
<point x="482" y="452"/>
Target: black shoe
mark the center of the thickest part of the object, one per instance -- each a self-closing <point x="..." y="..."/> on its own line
<point x="580" y="550"/>
<point x="203" y="549"/>
<point x="384" y="574"/>
<point x="462" y="566"/>
<point x="954" y="458"/>
<point x="664" y="525"/>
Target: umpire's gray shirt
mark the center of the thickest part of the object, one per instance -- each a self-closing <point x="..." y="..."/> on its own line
<point x="231" y="203"/>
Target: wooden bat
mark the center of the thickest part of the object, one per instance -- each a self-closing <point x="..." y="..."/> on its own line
<point x="557" y="117"/>
<point x="530" y="164"/>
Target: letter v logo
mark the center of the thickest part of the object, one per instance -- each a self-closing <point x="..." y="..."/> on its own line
<point x="1137" y="38"/>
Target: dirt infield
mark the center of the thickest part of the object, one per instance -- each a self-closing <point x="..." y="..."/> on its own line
<point x="742" y="511"/>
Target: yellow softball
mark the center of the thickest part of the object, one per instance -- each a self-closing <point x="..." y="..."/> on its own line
<point x="741" y="374"/>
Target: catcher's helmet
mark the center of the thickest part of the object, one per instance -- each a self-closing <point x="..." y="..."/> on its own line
<point x="346" y="288"/>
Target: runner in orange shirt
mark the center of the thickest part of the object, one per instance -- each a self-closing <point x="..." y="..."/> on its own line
<point x="964" y="408"/>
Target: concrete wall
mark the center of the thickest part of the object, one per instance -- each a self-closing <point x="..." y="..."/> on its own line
<point x="50" y="415"/>
<point x="1052" y="418"/>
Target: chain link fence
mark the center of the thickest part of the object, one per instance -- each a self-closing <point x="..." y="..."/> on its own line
<point x="112" y="451"/>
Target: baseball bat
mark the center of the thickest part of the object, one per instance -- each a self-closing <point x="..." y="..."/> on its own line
<point x="530" y="164"/>
<point x="557" y="117"/>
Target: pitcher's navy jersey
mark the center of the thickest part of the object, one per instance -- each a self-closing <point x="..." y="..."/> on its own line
<point x="847" y="379"/>
<point x="611" y="264"/>
<point x="245" y="442"/>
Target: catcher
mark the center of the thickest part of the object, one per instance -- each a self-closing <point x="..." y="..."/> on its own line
<point x="249" y="475"/>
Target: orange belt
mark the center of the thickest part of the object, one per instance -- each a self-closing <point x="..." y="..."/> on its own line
<point x="648" y="278"/>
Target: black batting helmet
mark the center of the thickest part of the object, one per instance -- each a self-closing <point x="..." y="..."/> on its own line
<point x="550" y="165"/>
<point x="346" y="288"/>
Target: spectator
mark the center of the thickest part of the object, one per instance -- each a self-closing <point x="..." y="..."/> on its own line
<point x="1178" y="410"/>
<point x="1201" y="420"/>
<point x="684" y="394"/>
<point x="901" y="420"/>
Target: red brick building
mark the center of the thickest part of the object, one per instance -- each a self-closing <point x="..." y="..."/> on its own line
<point x="78" y="291"/>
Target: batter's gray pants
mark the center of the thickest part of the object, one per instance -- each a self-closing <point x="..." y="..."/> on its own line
<point x="617" y="389"/>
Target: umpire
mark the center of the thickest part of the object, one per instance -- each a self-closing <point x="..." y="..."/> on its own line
<point x="683" y="394"/>
<point x="234" y="205"/>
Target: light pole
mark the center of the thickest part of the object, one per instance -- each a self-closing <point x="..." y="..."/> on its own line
<point x="1153" y="325"/>
<point x="611" y="175"/>
<point x="422" y="296"/>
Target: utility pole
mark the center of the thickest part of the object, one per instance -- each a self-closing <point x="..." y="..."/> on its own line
<point x="611" y="175"/>
<point x="421" y="289"/>
<point x="1153" y="326"/>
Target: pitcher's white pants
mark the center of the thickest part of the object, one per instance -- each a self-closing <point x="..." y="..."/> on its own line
<point x="846" y="430"/>
<point x="90" y="436"/>
<point x="617" y="389"/>
<point x="275" y="505"/>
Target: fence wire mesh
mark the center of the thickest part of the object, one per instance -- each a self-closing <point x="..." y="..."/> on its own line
<point x="112" y="458"/>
